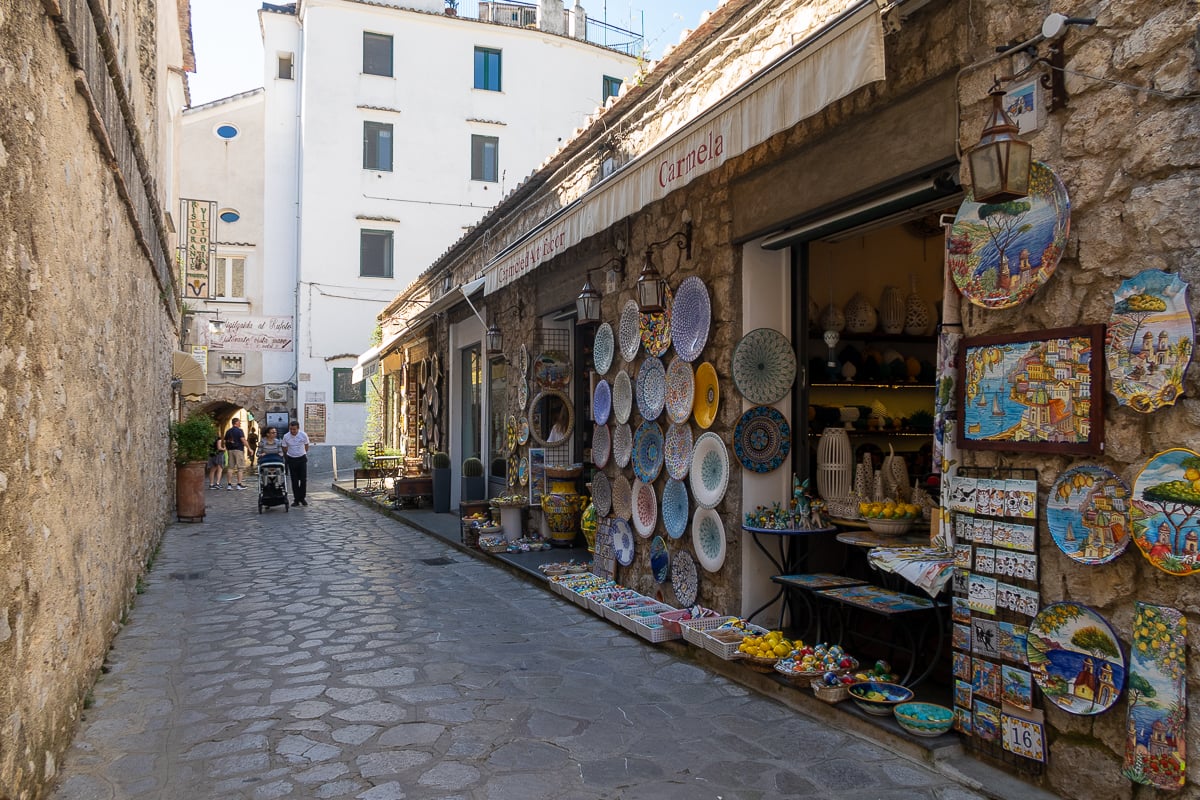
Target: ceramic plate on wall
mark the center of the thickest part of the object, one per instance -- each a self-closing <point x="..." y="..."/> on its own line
<point x="623" y="542"/>
<point x="1164" y="510"/>
<point x="678" y="451"/>
<point x="691" y="315"/>
<point x="522" y="394"/>
<point x="707" y="395"/>
<point x="709" y="474"/>
<point x="651" y="388"/>
<point x="680" y="391"/>
<point x="1088" y="514"/>
<point x="523" y="431"/>
<point x="601" y="402"/>
<point x="675" y="510"/>
<point x="601" y="494"/>
<point x="684" y="579"/>
<point x="1070" y="647"/>
<point x="656" y="328"/>
<point x="629" y="330"/>
<point x="602" y="348"/>
<point x="622" y="497"/>
<point x="762" y="439"/>
<point x="552" y="370"/>
<point x="660" y="560"/>
<point x="645" y="509"/>
<point x="523" y="361"/>
<point x="622" y="400"/>
<point x="622" y="446"/>
<point x="708" y="538"/>
<point x="601" y="446"/>
<point x="523" y="471"/>
<point x="648" y="451"/>
<point x="764" y="366"/>
<point x="1149" y="343"/>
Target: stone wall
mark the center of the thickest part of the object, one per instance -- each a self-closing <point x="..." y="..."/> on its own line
<point x="86" y="333"/>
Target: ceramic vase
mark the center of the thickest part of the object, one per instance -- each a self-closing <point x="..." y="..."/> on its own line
<point x="860" y="314"/>
<point x="834" y="458"/>
<point x="561" y="506"/>
<point x="863" y="483"/>
<point x="832" y="319"/>
<point x="917" y="317"/>
<point x="891" y="310"/>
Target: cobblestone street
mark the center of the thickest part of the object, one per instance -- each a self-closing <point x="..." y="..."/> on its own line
<point x="331" y="652"/>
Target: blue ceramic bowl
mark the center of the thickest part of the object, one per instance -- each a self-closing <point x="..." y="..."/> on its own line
<point x="879" y="698"/>
<point x="924" y="719"/>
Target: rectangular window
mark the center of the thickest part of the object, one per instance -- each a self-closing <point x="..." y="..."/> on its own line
<point x="345" y="390"/>
<point x="611" y="88"/>
<point x="377" y="54"/>
<point x="487" y="69"/>
<point x="377" y="146"/>
<point x="375" y="254"/>
<point x="229" y="277"/>
<point x="285" y="66"/>
<point x="485" y="158"/>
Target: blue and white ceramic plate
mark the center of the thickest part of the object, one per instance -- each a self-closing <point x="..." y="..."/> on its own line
<point x="678" y="450"/>
<point x="708" y="538"/>
<point x="602" y="348"/>
<point x="681" y="388"/>
<point x="648" y="451"/>
<point x="764" y="366"/>
<point x="601" y="494"/>
<point x="622" y="445"/>
<point x="709" y="474"/>
<point x="601" y="446"/>
<point x="684" y="580"/>
<point x="629" y="330"/>
<point x="675" y="510"/>
<point x="762" y="439"/>
<point x="622" y="397"/>
<point x="601" y="402"/>
<point x="660" y="560"/>
<point x="691" y="314"/>
<point x="623" y="542"/>
<point x="651" y="389"/>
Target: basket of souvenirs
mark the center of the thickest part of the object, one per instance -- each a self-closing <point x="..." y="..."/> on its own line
<point x="804" y="664"/>
<point x="671" y="619"/>
<point x="762" y="653"/>
<point x="830" y="692"/>
<point x="719" y="635"/>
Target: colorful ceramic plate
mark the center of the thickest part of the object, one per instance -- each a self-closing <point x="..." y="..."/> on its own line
<point x="691" y="314"/>
<point x="648" y="451"/>
<point x="522" y="394"/>
<point x="622" y="497"/>
<point x="523" y="431"/>
<point x="510" y="431"/>
<point x="601" y="446"/>
<point x="660" y="561"/>
<point x="622" y="400"/>
<point x="601" y="402"/>
<point x="622" y="445"/>
<point x="707" y="396"/>
<point x="645" y="509"/>
<point x="709" y="474"/>
<point x="651" y="388"/>
<point x="601" y="494"/>
<point x="678" y="451"/>
<point x="552" y="370"/>
<point x="629" y="330"/>
<point x="656" y="328"/>
<point x="1075" y="658"/>
<point x="602" y="348"/>
<point x="681" y="390"/>
<point x="708" y="538"/>
<point x="623" y="542"/>
<point x="762" y="439"/>
<point x="514" y="467"/>
<point x="1149" y="343"/>
<point x="1165" y="524"/>
<point x="523" y="361"/>
<point x="523" y="471"/>
<point x="764" y="366"/>
<point x="1088" y="514"/>
<point x="675" y="510"/>
<point x="684" y="580"/>
<point x="999" y="254"/>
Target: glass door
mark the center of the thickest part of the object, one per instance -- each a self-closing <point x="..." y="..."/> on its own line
<point x="472" y="401"/>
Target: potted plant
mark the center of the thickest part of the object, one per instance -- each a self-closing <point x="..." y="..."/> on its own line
<point x="441" y="482"/>
<point x="451" y="8"/>
<point x="192" y="441"/>
<point x="364" y="470"/>
<point x="474" y="484"/>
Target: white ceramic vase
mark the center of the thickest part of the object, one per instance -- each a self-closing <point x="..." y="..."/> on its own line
<point x="891" y="310"/>
<point x="834" y="459"/>
<point x="860" y="314"/>
<point x="917" y="317"/>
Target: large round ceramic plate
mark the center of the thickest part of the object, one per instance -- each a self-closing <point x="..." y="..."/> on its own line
<point x="601" y="402"/>
<point x="523" y="471"/>
<point x="1145" y="371"/>
<point x="709" y="474"/>
<point x="623" y="542"/>
<point x="629" y="330"/>
<point x="1165" y="505"/>
<point x="622" y="400"/>
<point x="707" y="396"/>
<point x="510" y="432"/>
<point x="601" y="494"/>
<point x="691" y="314"/>
<point x="523" y="361"/>
<point x="522" y="394"/>
<point x="684" y="580"/>
<point x="656" y="328"/>
<point x="999" y="254"/>
<point x="680" y="391"/>
<point x="622" y="445"/>
<point x="1088" y="514"/>
<point x="660" y="561"/>
<point x="601" y="446"/>
<point x="514" y="465"/>
<point x="764" y="366"/>
<point x="762" y="439"/>
<point x="678" y="451"/>
<point x="622" y="497"/>
<point x="1075" y="658"/>
<point x="523" y="431"/>
<point x="552" y="370"/>
<point x="645" y="509"/>
<point x="675" y="510"/>
<point x="602" y="348"/>
<point x="648" y="451"/>
<point x="708" y="538"/>
<point x="651" y="389"/>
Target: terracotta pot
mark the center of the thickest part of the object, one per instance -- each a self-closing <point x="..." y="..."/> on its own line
<point x="189" y="492"/>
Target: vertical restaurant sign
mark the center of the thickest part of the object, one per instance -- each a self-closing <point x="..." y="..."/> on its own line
<point x="199" y="221"/>
<point x="200" y="353"/>
<point x="258" y="334"/>
<point x="314" y="422"/>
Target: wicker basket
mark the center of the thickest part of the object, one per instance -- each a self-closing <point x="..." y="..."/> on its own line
<point x="672" y="618"/>
<point x="764" y="665"/>
<point x="724" y="644"/>
<point x="830" y="694"/>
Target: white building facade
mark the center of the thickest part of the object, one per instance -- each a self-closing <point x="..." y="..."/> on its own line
<point x="381" y="135"/>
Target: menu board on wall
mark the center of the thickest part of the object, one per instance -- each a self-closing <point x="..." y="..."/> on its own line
<point x="314" y="422"/>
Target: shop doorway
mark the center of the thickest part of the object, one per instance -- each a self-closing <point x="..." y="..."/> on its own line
<point x="471" y="395"/>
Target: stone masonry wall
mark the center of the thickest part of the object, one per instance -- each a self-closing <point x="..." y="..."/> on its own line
<point x="85" y="350"/>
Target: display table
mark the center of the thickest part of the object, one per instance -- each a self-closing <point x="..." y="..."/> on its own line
<point x="869" y="539"/>
<point x="413" y="489"/>
<point x="789" y="561"/>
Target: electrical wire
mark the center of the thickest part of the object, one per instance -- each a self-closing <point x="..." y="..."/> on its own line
<point x="1111" y="82"/>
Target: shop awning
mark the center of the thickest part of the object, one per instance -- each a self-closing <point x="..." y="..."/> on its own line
<point x="829" y="64"/>
<point x="190" y="374"/>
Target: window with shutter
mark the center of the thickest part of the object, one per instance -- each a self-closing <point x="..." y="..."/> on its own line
<point x="485" y="158"/>
<point x="377" y="54"/>
<point x="375" y="254"/>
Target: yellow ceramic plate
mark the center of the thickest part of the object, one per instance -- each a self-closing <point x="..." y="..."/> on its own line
<point x="707" y="397"/>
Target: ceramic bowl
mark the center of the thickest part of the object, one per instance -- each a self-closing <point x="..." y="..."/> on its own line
<point x="890" y="527"/>
<point x="924" y="719"/>
<point x="879" y="698"/>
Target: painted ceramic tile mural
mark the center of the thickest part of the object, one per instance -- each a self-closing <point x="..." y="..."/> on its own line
<point x="1155" y="749"/>
<point x="1166" y="511"/>
<point x="1150" y="340"/>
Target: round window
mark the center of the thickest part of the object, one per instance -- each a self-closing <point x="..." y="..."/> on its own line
<point x="229" y="215"/>
<point x="227" y="131"/>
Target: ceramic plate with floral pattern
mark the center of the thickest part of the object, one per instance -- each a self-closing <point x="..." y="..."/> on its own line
<point x="602" y="348"/>
<point x="648" y="451"/>
<point x="622" y="397"/>
<point x="678" y="450"/>
<point x="680" y="391"/>
<point x="601" y="446"/>
<point x="629" y="330"/>
<point x="764" y="366"/>
<point x="675" y="512"/>
<point x="645" y="509"/>
<point x="709" y="473"/>
<point x="708" y="538"/>
<point x="651" y="388"/>
<point x="684" y="579"/>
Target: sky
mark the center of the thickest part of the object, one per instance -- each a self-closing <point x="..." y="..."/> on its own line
<point x="228" y="44"/>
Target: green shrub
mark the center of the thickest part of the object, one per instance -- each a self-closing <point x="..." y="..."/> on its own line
<point x="472" y="468"/>
<point x="193" y="438"/>
<point x="362" y="456"/>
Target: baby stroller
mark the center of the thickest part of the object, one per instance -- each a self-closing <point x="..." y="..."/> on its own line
<point x="272" y="484"/>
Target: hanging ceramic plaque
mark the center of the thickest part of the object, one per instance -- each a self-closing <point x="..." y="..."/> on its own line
<point x="629" y="330"/>
<point x="707" y="396"/>
<point x="656" y="328"/>
<point x="622" y="397"/>
<point x="522" y="394"/>
<point x="708" y="538"/>
<point x="1166" y="511"/>
<point x="762" y="439"/>
<point x="523" y="431"/>
<point x="523" y="361"/>
<point x="1089" y="514"/>
<point x="764" y="366"/>
<point x="602" y="348"/>
<point x="1075" y="658"/>
<point x="523" y="471"/>
<point x="552" y="370"/>
<point x="675" y="512"/>
<point x="660" y="561"/>
<point x="1156" y="731"/>
<point x="684" y="579"/>
<point x="691" y="315"/>
<point x="1149" y="342"/>
<point x="999" y="254"/>
<point x="680" y="391"/>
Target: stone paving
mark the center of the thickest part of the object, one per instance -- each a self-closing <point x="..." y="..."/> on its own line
<point x="331" y="652"/>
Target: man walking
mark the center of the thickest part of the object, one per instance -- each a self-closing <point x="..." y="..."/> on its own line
<point x="295" y="449"/>
<point x="235" y="445"/>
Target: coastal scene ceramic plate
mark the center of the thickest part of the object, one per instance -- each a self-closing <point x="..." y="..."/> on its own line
<point x="645" y="509"/>
<point x="629" y="330"/>
<point x="651" y="389"/>
<point x="552" y="370"/>
<point x="691" y="315"/>
<point x="601" y="494"/>
<point x="523" y="471"/>
<point x="707" y="396"/>
<point x="764" y="366"/>
<point x="675" y="510"/>
<point x="602" y="348"/>
<point x="684" y="579"/>
<point x="622" y="400"/>
<point x="762" y="439"/>
<point x="523" y="431"/>
<point x="601" y="402"/>
<point x="648" y="451"/>
<point x="623" y="542"/>
<point x="680" y="391"/>
<point x="622" y="445"/>
<point x="708" y="538"/>
<point x="1088" y="514"/>
<point x="601" y="446"/>
<point x="1149" y="340"/>
<point x="678" y="451"/>
<point x="1166" y="526"/>
<point x="709" y="473"/>
<point x="1075" y="658"/>
<point x="660" y="560"/>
